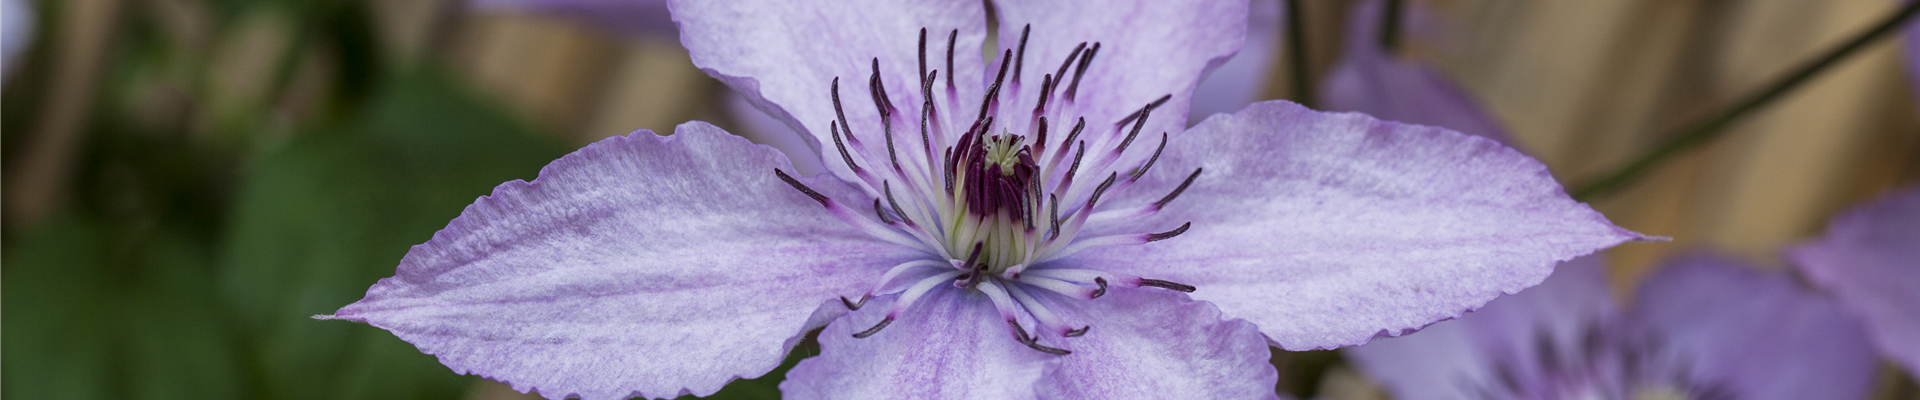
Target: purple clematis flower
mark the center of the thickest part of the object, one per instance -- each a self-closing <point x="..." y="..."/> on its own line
<point x="1039" y="225"/>
<point x="1870" y="261"/>
<point x="1370" y="80"/>
<point x="16" y="31"/>
<point x="1700" y="328"/>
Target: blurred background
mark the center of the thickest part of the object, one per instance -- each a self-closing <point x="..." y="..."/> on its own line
<point x="187" y="181"/>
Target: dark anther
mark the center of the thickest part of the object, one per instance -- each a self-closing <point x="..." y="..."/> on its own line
<point x="855" y="305"/>
<point x="1053" y="213"/>
<point x="1085" y="59"/>
<point x="1176" y="191"/>
<point x="1150" y="238"/>
<point x="1142" y="112"/>
<point x="881" y="213"/>
<point x="875" y="329"/>
<point x="974" y="256"/>
<point x="1136" y="130"/>
<point x="1046" y="90"/>
<point x="1150" y="160"/>
<point x="923" y="57"/>
<point x="1074" y="168"/>
<point x="1040" y="138"/>
<point x="1033" y="342"/>
<point x="1078" y="332"/>
<point x="803" y="188"/>
<point x="926" y="114"/>
<point x="1020" y="58"/>
<point x="973" y="276"/>
<point x="1062" y="73"/>
<point x="841" y="112"/>
<point x="993" y="92"/>
<point x="1077" y="127"/>
<point x="844" y="155"/>
<point x="1102" y="291"/>
<point x="887" y="187"/>
<point x="1169" y="285"/>
<point x="879" y="91"/>
<point x="1099" y="190"/>
<point x="951" y="36"/>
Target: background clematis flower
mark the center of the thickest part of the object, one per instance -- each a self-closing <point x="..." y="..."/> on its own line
<point x="1699" y="328"/>
<point x="1037" y="225"/>
<point x="15" y="32"/>
<point x="1870" y="261"/>
<point x="1370" y="80"/>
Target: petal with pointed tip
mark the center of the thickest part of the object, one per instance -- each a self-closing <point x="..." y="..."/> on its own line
<point x="638" y="266"/>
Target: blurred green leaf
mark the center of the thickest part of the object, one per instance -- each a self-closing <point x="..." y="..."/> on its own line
<point x="93" y="313"/>
<point x="319" y="221"/>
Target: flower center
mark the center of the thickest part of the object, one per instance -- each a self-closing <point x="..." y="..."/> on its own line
<point x="995" y="200"/>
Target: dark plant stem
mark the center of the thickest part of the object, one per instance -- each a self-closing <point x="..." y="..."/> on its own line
<point x="1698" y="133"/>
<point x="1390" y="26"/>
<point x="1297" y="55"/>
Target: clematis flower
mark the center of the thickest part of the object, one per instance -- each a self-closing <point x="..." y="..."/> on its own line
<point x="1037" y="225"/>
<point x="1699" y="328"/>
<point x="1870" y="261"/>
<point x="1370" y="80"/>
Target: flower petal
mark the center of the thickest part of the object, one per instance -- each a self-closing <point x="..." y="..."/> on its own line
<point x="765" y="129"/>
<point x="1452" y="359"/>
<point x="951" y="344"/>
<point x="637" y="266"/>
<point x="1369" y="80"/>
<point x="784" y="55"/>
<point x="1148" y="49"/>
<point x="1867" y="261"/>
<point x="1754" y="335"/>
<point x="1243" y="78"/>
<point x="1153" y="343"/>
<point x="1328" y="229"/>
<point x="627" y="17"/>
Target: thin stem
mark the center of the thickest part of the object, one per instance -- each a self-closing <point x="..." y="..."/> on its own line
<point x="1390" y="26"/>
<point x="1701" y="132"/>
<point x="1297" y="54"/>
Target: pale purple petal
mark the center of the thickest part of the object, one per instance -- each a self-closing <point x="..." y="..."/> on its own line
<point x="628" y="17"/>
<point x="638" y="266"/>
<point x="1754" y="335"/>
<point x="764" y="129"/>
<point x="1148" y="49"/>
<point x="949" y="345"/>
<point x="1328" y="229"/>
<point x="1369" y="80"/>
<point x="15" y="32"/>
<point x="1450" y="359"/>
<point x="1244" y="77"/>
<point x="1870" y="261"/>
<point x="1153" y="343"/>
<point x="784" y="55"/>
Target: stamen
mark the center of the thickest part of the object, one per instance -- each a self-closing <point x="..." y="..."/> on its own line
<point x="801" y="187"/>
<point x="1062" y="73"/>
<point x="1077" y="332"/>
<point x="1150" y="238"/>
<point x="1170" y="285"/>
<point x="1020" y="58"/>
<point x="1141" y="113"/>
<point x="841" y="112"/>
<point x="1102" y="189"/>
<point x="1103" y="287"/>
<point x="1053" y="213"/>
<point x="885" y="104"/>
<point x="875" y="329"/>
<point x="923" y="59"/>
<point x="1066" y="181"/>
<point x="1142" y="171"/>
<point x="1046" y="92"/>
<point x="844" y="155"/>
<point x="1033" y="342"/>
<point x="880" y="213"/>
<point x="1162" y="203"/>
<point x="1144" y="112"/>
<point x="851" y="305"/>
<point x="1085" y="59"/>
<point x="951" y="37"/>
<point x="1043" y="316"/>
<point x="993" y="92"/>
<point x="1062" y="287"/>
<point x="887" y="188"/>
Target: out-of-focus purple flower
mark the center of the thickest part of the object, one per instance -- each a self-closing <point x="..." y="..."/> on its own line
<point x="1700" y="328"/>
<point x="1870" y="260"/>
<point x="1370" y="80"/>
<point x="1038" y="225"/>
<point x="16" y="30"/>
